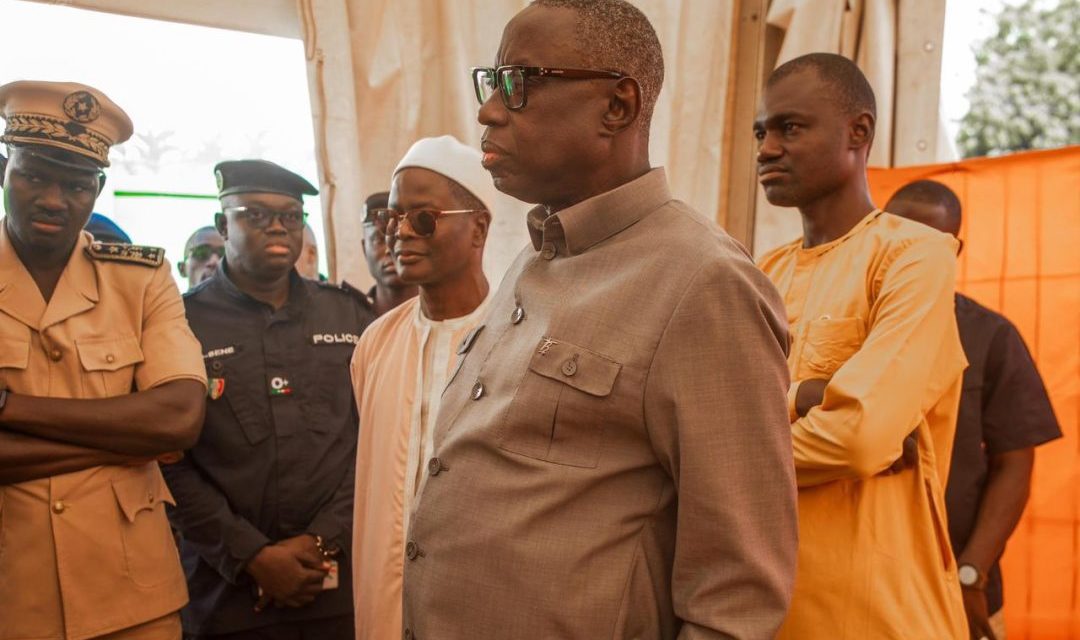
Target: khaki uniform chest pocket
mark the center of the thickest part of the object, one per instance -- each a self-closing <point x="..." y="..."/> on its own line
<point x="1" y="522"/>
<point x="108" y="364"/>
<point x="14" y="353"/>
<point x="557" y="414"/>
<point x="14" y="359"/>
<point x="828" y="344"/>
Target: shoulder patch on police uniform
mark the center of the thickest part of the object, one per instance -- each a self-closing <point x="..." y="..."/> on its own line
<point x="130" y="253"/>
<point x="347" y="288"/>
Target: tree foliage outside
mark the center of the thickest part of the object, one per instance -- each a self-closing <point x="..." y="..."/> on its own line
<point x="1027" y="89"/>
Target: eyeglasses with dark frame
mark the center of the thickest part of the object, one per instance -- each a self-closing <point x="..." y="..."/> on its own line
<point x="510" y="81"/>
<point x="261" y="217"/>
<point x="422" y="221"/>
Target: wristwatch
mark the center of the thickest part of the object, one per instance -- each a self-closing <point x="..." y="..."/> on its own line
<point x="3" y="397"/>
<point x="970" y="577"/>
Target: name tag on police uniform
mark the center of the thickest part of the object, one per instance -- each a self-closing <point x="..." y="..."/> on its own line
<point x="217" y="353"/>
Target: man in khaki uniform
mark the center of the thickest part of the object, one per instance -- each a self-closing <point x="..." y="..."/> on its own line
<point x="99" y="375"/>
<point x="612" y="458"/>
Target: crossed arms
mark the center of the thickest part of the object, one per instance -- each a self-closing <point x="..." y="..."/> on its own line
<point x="42" y="437"/>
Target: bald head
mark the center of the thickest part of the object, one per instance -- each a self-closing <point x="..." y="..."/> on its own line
<point x="930" y="203"/>
<point x="614" y="35"/>
<point x="851" y="91"/>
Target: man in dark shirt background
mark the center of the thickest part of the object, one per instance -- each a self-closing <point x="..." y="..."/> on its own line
<point x="265" y="498"/>
<point x="1004" y="414"/>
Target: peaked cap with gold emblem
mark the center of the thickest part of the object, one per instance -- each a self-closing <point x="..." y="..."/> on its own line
<point x="63" y="115"/>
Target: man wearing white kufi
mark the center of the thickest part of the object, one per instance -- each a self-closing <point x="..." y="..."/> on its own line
<point x="436" y="225"/>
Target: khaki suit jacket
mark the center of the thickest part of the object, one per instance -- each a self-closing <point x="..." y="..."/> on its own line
<point x="614" y="456"/>
<point x="87" y="553"/>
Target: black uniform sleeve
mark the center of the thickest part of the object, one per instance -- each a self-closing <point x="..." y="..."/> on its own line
<point x="333" y="523"/>
<point x="202" y="514"/>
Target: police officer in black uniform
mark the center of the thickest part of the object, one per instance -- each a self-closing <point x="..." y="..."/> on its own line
<point x="265" y="498"/>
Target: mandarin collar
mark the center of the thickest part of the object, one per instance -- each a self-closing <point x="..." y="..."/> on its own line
<point x="826" y="247"/>
<point x="592" y="221"/>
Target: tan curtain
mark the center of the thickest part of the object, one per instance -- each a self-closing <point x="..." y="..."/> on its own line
<point x="386" y="72"/>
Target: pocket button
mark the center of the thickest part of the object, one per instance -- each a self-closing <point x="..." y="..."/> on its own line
<point x="569" y="368"/>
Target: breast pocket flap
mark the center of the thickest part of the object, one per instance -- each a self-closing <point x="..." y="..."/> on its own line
<point x="109" y="354"/>
<point x="584" y="370"/>
<point x="14" y="353"/>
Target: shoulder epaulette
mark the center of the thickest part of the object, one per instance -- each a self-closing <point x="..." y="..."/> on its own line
<point x="196" y="289"/>
<point x="347" y="288"/>
<point x="129" y="253"/>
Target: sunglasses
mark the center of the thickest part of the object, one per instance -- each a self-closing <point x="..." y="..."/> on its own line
<point x="202" y="252"/>
<point x="422" y="221"/>
<point x="510" y="81"/>
<point x="261" y="217"/>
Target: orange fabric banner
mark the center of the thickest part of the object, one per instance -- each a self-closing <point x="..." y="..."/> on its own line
<point x="1021" y="257"/>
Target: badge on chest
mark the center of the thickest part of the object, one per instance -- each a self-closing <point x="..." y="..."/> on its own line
<point x="215" y="388"/>
<point x="279" y="386"/>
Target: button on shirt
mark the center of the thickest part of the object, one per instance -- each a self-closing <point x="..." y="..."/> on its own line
<point x="87" y="553"/>
<point x="1004" y="407"/>
<point x="648" y="490"/>
<point x="872" y="313"/>
<point x="278" y="447"/>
